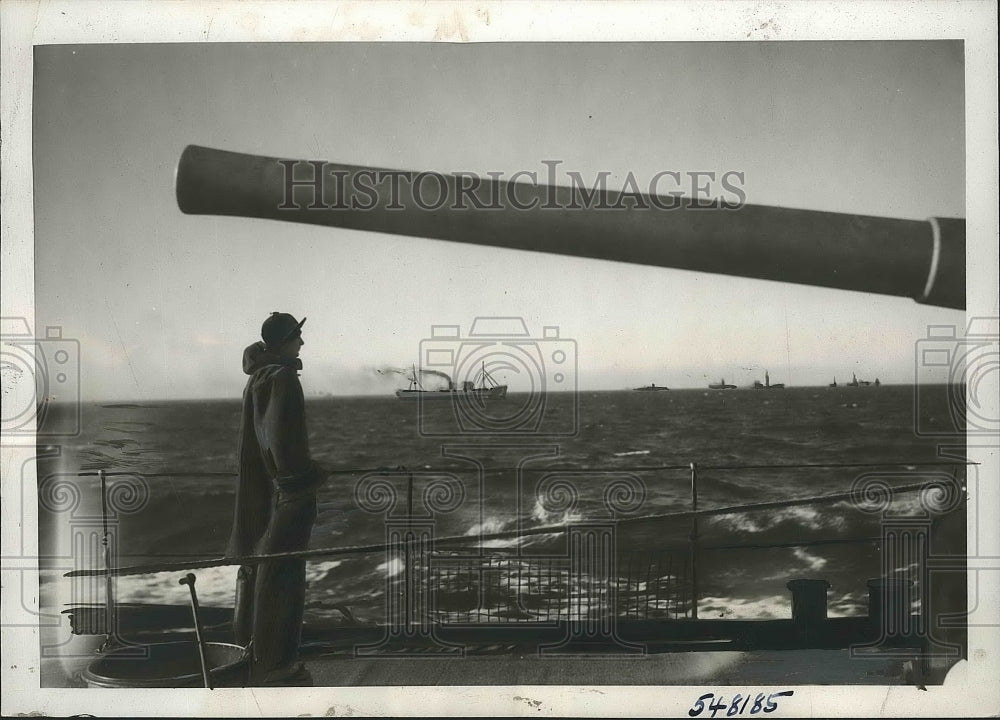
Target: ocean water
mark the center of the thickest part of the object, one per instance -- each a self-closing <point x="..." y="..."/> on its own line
<point x="178" y="503"/>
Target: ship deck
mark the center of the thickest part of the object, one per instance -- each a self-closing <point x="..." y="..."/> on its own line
<point x="839" y="651"/>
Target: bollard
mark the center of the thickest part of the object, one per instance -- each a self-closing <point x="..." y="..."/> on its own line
<point x="808" y="600"/>
<point x="889" y="606"/>
<point x="808" y="608"/>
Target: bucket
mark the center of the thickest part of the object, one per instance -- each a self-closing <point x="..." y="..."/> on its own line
<point x="168" y="665"/>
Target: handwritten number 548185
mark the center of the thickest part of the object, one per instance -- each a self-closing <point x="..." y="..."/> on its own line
<point x="739" y="704"/>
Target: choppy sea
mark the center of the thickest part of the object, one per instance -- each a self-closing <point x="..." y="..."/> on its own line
<point x="748" y="446"/>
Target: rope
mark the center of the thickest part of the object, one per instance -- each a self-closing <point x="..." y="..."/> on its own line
<point x="808" y="543"/>
<point x="508" y="535"/>
<point x="732" y="509"/>
<point x="640" y="468"/>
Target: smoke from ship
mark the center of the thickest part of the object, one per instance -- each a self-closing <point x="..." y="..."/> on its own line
<point x="442" y="377"/>
<point x="441" y="381"/>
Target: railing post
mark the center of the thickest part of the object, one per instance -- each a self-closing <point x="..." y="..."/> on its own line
<point x="110" y="611"/>
<point x="694" y="542"/>
<point x="409" y="541"/>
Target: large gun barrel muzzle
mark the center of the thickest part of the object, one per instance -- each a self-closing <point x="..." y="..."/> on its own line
<point x="920" y="259"/>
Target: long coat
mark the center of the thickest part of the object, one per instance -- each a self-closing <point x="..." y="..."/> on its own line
<point x="275" y="508"/>
<point x="273" y="445"/>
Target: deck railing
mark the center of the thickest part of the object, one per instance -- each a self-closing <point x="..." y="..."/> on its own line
<point x="454" y="581"/>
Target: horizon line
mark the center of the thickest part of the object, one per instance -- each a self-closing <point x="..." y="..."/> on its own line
<point x="324" y="394"/>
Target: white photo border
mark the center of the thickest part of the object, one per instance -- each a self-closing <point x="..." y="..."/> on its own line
<point x="27" y="23"/>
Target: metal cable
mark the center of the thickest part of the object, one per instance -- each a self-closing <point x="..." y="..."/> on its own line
<point x="508" y="535"/>
<point x="642" y="468"/>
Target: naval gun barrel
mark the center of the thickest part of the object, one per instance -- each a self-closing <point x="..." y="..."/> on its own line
<point x="919" y="259"/>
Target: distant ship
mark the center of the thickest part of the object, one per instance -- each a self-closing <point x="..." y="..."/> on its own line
<point x="721" y="385"/>
<point x="484" y="387"/>
<point x="651" y="387"/>
<point x="834" y="383"/>
<point x="861" y="383"/>
<point x="767" y="384"/>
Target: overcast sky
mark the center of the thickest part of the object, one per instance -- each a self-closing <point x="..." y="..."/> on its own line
<point x="163" y="303"/>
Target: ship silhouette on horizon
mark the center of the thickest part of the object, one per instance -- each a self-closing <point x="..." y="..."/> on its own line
<point x="652" y="387"/>
<point x="859" y="383"/>
<point x="721" y="385"/>
<point x="766" y="385"/>
<point x="484" y="387"/>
